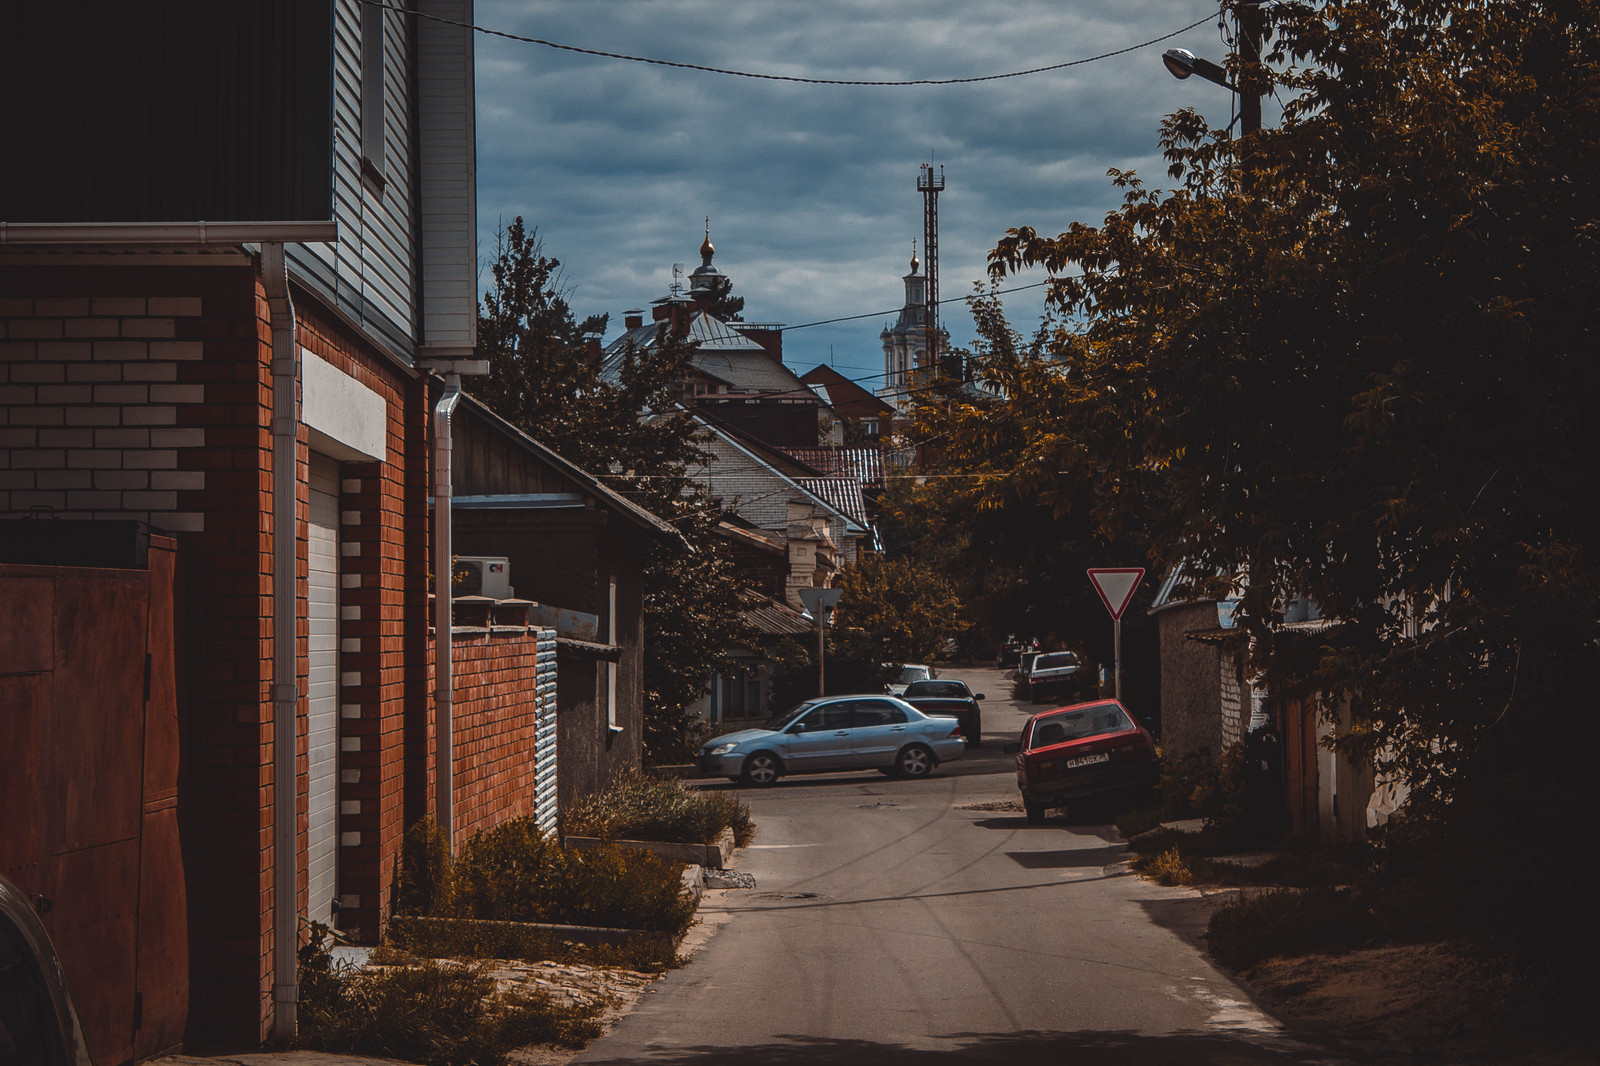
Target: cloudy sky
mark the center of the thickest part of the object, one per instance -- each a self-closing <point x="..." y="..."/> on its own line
<point x="811" y="189"/>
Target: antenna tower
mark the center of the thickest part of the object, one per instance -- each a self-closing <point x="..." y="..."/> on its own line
<point x="930" y="185"/>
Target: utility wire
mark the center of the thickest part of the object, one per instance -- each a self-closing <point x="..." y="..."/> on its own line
<point x="777" y="77"/>
<point x="897" y="310"/>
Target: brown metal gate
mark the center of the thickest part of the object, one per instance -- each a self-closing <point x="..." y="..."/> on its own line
<point x="89" y="811"/>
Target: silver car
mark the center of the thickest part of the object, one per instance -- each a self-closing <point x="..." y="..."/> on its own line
<point x="836" y="733"/>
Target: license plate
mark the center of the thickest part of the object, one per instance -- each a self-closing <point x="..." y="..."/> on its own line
<point x="1089" y="760"/>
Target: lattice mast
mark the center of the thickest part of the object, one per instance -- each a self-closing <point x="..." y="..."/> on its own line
<point x="930" y="184"/>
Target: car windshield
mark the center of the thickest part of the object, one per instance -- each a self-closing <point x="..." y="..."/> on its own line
<point x="909" y="674"/>
<point x="779" y="722"/>
<point x="1077" y="724"/>
<point x="1055" y="661"/>
<point x="955" y="690"/>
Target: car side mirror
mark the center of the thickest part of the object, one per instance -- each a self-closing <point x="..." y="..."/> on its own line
<point x="1012" y="749"/>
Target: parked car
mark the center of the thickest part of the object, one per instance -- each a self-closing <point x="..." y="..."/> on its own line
<point x="1083" y="750"/>
<point x="1010" y="653"/>
<point x="949" y="697"/>
<point x="836" y="733"/>
<point x="38" y="1024"/>
<point x="909" y="672"/>
<point x="1052" y="673"/>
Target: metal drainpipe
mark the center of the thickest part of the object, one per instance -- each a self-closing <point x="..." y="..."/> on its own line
<point x="444" y="762"/>
<point x="285" y="667"/>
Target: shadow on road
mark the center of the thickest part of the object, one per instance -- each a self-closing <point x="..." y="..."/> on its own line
<point x="1070" y="858"/>
<point x="1014" y="1049"/>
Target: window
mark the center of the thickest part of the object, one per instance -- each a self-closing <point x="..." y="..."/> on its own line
<point x="878" y="712"/>
<point x="374" y="161"/>
<point x="833" y="716"/>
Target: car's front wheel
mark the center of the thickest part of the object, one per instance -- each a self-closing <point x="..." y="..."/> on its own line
<point x="761" y="769"/>
<point x="915" y="761"/>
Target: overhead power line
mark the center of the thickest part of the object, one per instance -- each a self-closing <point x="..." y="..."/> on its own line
<point x="782" y="77"/>
<point x="897" y="310"/>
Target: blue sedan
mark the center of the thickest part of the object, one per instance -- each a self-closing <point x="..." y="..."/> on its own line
<point x="836" y="733"/>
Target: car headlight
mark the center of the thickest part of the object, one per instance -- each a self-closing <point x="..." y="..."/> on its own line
<point x="723" y="749"/>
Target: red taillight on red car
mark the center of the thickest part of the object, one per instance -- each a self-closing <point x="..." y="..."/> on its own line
<point x="1041" y="771"/>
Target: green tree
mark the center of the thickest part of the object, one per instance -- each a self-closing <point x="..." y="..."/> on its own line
<point x="992" y="510"/>
<point x="1353" y="357"/>
<point x="722" y="304"/>
<point x="906" y="609"/>
<point x="624" y="425"/>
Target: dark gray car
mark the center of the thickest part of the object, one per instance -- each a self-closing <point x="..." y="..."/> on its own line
<point x="38" y="1025"/>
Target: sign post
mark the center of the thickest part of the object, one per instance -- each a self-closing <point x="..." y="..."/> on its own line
<point x="1115" y="586"/>
<point x="820" y="602"/>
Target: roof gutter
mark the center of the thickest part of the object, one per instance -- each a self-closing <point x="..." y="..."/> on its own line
<point x="285" y="678"/>
<point x="443" y="643"/>
<point x="181" y="233"/>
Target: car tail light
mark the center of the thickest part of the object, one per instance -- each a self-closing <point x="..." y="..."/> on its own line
<point x="1041" y="771"/>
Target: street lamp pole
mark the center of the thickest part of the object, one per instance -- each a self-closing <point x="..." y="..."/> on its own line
<point x="1183" y="63"/>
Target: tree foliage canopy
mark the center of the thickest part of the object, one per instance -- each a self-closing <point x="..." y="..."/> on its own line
<point x="906" y="609"/>
<point x="543" y="379"/>
<point x="1353" y="357"/>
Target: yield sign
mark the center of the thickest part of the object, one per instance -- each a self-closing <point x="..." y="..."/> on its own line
<point x="1115" y="586"/>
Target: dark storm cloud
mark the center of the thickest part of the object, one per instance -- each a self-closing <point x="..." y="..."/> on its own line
<point x="811" y="189"/>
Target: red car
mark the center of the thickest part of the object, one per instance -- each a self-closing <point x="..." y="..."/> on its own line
<point x="1081" y="750"/>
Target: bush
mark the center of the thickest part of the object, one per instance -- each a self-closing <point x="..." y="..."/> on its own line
<point x="514" y="873"/>
<point x="442" y="1014"/>
<point x="423" y="876"/>
<point x="1256" y="927"/>
<point x="640" y="807"/>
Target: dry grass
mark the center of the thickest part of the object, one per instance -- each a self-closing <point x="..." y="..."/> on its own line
<point x="439" y="1013"/>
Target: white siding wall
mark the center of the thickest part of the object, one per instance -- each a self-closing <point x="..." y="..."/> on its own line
<point x="369" y="273"/>
<point x="322" y="689"/>
<point x="448" y="176"/>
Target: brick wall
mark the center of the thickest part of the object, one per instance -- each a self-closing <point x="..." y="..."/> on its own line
<point x="384" y="538"/>
<point x="140" y="392"/>
<point x="494" y="713"/>
<point x="144" y="391"/>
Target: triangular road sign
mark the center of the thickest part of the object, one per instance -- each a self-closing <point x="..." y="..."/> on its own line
<point x="1115" y="586"/>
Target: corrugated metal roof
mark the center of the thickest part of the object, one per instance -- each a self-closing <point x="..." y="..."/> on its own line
<point x="863" y="464"/>
<point x="723" y="353"/>
<point x="843" y="494"/>
<point x="774" y="619"/>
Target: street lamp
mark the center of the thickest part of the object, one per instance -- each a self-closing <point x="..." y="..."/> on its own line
<point x="1182" y="63"/>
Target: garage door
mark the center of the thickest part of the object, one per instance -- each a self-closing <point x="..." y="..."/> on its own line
<point x="322" y="837"/>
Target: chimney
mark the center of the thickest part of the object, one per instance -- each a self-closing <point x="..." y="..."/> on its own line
<point x="767" y="334"/>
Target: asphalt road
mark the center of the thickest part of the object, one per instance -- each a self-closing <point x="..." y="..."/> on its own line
<point x="893" y="923"/>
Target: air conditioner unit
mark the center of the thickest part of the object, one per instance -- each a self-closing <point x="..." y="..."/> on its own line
<point x="482" y="575"/>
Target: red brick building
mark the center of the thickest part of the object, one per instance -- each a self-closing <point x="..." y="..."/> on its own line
<point x="269" y="392"/>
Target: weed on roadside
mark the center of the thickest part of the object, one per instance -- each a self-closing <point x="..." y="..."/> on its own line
<point x="1287" y="922"/>
<point x="1166" y="868"/>
<point x="442" y="1014"/>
